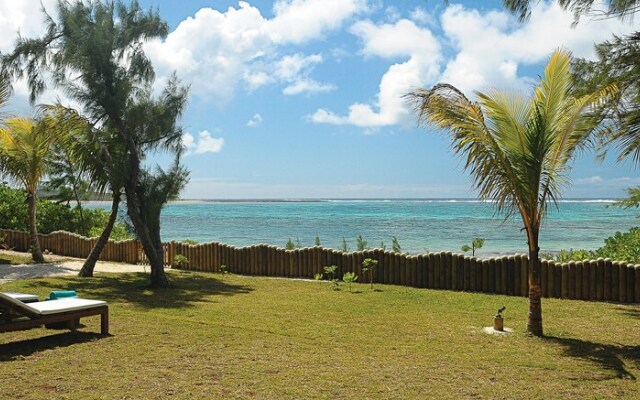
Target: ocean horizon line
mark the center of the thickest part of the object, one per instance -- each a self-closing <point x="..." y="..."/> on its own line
<point x="371" y="200"/>
<point x="407" y="199"/>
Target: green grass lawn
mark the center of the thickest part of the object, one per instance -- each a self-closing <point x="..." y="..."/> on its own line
<point x="18" y="259"/>
<point x="226" y="336"/>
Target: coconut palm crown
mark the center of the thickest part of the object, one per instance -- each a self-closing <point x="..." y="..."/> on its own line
<point x="24" y="148"/>
<point x="518" y="148"/>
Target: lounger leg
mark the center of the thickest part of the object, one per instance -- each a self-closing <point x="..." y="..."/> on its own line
<point x="73" y="324"/>
<point x="104" y="322"/>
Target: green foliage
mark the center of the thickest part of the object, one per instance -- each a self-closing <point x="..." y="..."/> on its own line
<point x="361" y="243"/>
<point x="633" y="201"/>
<point x="571" y="255"/>
<point x="344" y="247"/>
<point x="368" y="265"/>
<point x="180" y="261"/>
<point x="54" y="217"/>
<point x="317" y="243"/>
<point x="476" y="244"/>
<point x="622" y="246"/>
<point x="619" y="247"/>
<point x="349" y="278"/>
<point x="317" y="276"/>
<point x="395" y="245"/>
<point x="190" y="241"/>
<point x="224" y="269"/>
<point x="383" y="246"/>
<point x="291" y="245"/>
<point x="330" y="271"/>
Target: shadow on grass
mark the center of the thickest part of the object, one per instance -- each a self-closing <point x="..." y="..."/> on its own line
<point x="24" y="348"/>
<point x="631" y="311"/>
<point x="609" y="357"/>
<point x="187" y="289"/>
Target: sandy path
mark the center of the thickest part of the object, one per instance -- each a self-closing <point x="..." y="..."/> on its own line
<point x="61" y="266"/>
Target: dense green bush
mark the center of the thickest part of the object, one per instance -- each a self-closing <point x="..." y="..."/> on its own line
<point x="620" y="247"/>
<point x="55" y="217"/>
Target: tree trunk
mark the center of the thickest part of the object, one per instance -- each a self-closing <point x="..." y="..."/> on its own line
<point x="534" y="323"/>
<point x="158" y="275"/>
<point x="90" y="263"/>
<point x="36" y="252"/>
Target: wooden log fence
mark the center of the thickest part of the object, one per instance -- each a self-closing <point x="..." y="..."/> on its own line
<point x="594" y="280"/>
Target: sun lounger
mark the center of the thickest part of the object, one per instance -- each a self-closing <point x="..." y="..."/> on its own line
<point x="16" y="315"/>
<point x="23" y="297"/>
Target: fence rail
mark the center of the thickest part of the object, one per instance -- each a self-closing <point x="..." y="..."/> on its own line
<point x="596" y="280"/>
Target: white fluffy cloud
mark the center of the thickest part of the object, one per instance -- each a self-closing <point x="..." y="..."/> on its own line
<point x="489" y="50"/>
<point x="25" y="16"/>
<point x="297" y="21"/>
<point x="491" y="47"/>
<point x="205" y="143"/>
<point x="295" y="70"/>
<point x="217" y="51"/>
<point x="254" y="121"/>
<point x="402" y="39"/>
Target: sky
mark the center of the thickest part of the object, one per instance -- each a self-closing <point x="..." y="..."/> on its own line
<point x="303" y="98"/>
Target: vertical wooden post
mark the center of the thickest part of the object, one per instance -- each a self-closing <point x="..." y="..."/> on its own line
<point x="476" y="275"/>
<point x="630" y="283"/>
<point x="606" y="284"/>
<point x="564" y="280"/>
<point x="600" y="279"/>
<point x="447" y="267"/>
<point x="622" y="283"/>
<point x="571" y="290"/>
<point x="485" y="275"/>
<point x="593" y="278"/>
<point x="578" y="280"/>
<point x="636" y="286"/>
<point x="431" y="268"/>
<point x="615" y="279"/>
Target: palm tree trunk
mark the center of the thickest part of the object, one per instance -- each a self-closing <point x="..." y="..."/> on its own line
<point x="90" y="263"/>
<point x="36" y="252"/>
<point x="534" y="323"/>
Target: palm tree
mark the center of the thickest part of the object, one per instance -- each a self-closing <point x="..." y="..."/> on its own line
<point x="612" y="8"/>
<point x="24" y="148"/>
<point x="5" y="90"/>
<point x="95" y="154"/>
<point x="518" y="148"/>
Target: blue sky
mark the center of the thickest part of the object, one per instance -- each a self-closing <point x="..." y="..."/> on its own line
<point x="302" y="98"/>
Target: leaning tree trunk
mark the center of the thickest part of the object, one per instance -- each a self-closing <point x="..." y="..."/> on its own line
<point x="36" y="252"/>
<point x="90" y="263"/>
<point x="158" y="275"/>
<point x="534" y="323"/>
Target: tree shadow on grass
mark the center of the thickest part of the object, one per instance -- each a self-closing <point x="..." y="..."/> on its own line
<point x="24" y="348"/>
<point x="631" y="311"/>
<point x="609" y="357"/>
<point x="187" y="289"/>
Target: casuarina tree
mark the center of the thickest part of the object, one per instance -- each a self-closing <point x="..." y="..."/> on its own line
<point x="94" y="52"/>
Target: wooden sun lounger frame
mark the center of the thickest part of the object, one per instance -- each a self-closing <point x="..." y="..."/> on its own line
<point x="15" y="318"/>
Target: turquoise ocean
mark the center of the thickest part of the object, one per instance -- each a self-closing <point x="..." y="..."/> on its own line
<point x="420" y="225"/>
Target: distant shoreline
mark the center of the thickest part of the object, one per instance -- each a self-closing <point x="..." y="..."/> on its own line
<point x="363" y="200"/>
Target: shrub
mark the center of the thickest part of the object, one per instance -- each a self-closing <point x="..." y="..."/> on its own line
<point x="180" y="261"/>
<point x="368" y="265"/>
<point x="349" y="278"/>
<point x="55" y="216"/>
